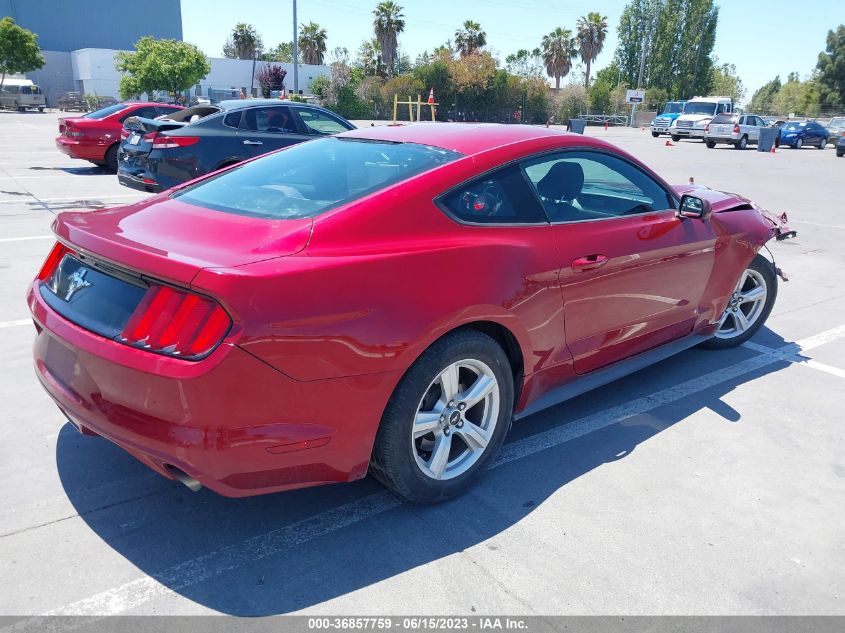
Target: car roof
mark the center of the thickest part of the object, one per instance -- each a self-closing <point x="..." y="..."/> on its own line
<point x="234" y="104"/>
<point x="465" y="138"/>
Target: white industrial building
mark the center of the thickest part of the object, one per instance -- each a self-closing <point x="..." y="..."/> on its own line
<point x="92" y="71"/>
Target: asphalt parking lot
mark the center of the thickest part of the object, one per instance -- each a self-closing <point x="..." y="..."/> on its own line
<point x="711" y="483"/>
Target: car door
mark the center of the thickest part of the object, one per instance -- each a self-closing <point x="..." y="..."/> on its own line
<point x="267" y="128"/>
<point x="633" y="274"/>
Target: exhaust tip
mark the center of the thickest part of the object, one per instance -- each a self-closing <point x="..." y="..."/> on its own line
<point x="184" y="478"/>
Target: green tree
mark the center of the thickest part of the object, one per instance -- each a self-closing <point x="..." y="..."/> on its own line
<point x="470" y="38"/>
<point x="725" y="82"/>
<point x="435" y="75"/>
<point x="169" y="65"/>
<point x="797" y="97"/>
<point x="388" y="24"/>
<point x="19" y="52"/>
<point x="369" y="59"/>
<point x="312" y="43"/>
<point x="831" y="69"/>
<point x="558" y="52"/>
<point x="282" y="52"/>
<point x="591" y="32"/>
<point x="525" y="63"/>
<point x="761" y="100"/>
<point x="244" y="43"/>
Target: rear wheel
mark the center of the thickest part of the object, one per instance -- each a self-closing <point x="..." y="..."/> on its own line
<point x="710" y="144"/>
<point x="446" y="420"/>
<point x="748" y="306"/>
<point x="111" y="158"/>
<point x="742" y="143"/>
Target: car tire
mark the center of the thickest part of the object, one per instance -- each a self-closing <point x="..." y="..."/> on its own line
<point x="822" y="143"/>
<point x="452" y="444"/>
<point x="111" y="158"/>
<point x="655" y="134"/>
<point x="741" y="143"/>
<point x="710" y="144"/>
<point x="840" y="154"/>
<point x="747" y="309"/>
<point x="676" y="138"/>
<point x="799" y="144"/>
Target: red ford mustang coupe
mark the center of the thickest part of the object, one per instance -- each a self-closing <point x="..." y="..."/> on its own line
<point x="386" y="300"/>
<point x="95" y="136"/>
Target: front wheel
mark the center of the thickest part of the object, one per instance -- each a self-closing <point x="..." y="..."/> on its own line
<point x="748" y="306"/>
<point x="823" y="143"/>
<point x="742" y="143"/>
<point x="655" y="134"/>
<point x="799" y="144"/>
<point x="676" y="138"/>
<point x="446" y="420"/>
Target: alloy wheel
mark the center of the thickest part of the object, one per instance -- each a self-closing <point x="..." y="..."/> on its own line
<point x="455" y="419"/>
<point x="745" y="305"/>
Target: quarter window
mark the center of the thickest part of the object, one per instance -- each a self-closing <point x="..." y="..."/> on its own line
<point x="579" y="186"/>
<point x="501" y="197"/>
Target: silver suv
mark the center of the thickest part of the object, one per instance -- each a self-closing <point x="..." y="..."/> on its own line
<point x="736" y="129"/>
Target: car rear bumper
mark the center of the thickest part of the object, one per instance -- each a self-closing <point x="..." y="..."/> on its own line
<point x="138" y="181"/>
<point x="722" y="139"/>
<point x="230" y="421"/>
<point x="86" y="149"/>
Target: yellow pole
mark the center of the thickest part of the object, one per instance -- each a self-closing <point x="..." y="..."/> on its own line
<point x="395" y="97"/>
<point x="410" y="110"/>
<point x="419" y="105"/>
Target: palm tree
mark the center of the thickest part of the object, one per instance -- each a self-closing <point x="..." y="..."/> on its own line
<point x="312" y="43"/>
<point x="244" y="42"/>
<point x="558" y="53"/>
<point x="591" y="33"/>
<point x="388" y="24"/>
<point x="470" y="38"/>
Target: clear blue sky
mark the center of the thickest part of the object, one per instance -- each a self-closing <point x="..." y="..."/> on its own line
<point x="756" y="35"/>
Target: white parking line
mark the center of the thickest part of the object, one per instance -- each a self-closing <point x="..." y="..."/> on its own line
<point x="15" y="323"/>
<point x="24" y="239"/>
<point x="174" y="579"/>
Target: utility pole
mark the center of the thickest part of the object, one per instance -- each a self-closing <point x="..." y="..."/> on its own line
<point x="647" y="37"/>
<point x="295" y="54"/>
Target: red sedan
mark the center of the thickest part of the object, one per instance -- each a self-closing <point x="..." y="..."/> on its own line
<point x="386" y="300"/>
<point x="95" y="136"/>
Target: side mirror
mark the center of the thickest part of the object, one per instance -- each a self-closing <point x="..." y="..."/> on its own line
<point x="693" y="207"/>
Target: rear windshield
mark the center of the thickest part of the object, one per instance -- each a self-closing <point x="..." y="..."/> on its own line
<point x="30" y="90"/>
<point x="310" y="178"/>
<point x="102" y="114"/>
<point x="795" y="125"/>
<point x="724" y="118"/>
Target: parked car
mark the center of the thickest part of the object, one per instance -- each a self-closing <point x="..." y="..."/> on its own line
<point x="387" y="300"/>
<point x="663" y="121"/>
<point x="796" y="134"/>
<point x="836" y="129"/>
<point x="72" y="101"/>
<point x="95" y="136"/>
<point x="840" y="147"/>
<point x="159" y="155"/>
<point x="738" y="130"/>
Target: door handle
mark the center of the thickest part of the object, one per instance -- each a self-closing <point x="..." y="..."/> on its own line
<point x="589" y="262"/>
<point x="253" y="143"/>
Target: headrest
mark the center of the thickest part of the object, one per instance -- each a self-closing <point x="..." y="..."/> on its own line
<point x="562" y="182"/>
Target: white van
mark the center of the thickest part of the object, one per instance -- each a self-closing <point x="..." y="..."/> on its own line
<point x="21" y="94"/>
<point x="698" y="112"/>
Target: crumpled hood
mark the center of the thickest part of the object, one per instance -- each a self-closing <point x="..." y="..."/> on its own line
<point x="723" y="201"/>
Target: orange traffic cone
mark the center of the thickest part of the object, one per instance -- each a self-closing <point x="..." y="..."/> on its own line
<point x="431" y="96"/>
<point x="772" y="151"/>
<point x="670" y="144"/>
<point x="605" y="125"/>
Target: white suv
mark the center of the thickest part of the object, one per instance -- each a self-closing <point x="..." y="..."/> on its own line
<point x="735" y="129"/>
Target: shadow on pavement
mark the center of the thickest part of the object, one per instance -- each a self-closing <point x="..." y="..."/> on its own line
<point x="158" y="525"/>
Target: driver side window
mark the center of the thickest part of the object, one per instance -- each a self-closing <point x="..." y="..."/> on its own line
<point x="582" y="185"/>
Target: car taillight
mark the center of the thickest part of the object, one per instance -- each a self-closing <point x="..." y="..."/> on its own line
<point x="736" y="128"/>
<point x="124" y="133"/>
<point x="176" y="323"/>
<point x="73" y="132"/>
<point x="168" y="142"/>
<point x="58" y="251"/>
<point x="150" y="137"/>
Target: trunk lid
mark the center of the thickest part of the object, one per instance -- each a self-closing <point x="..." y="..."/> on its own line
<point x="172" y="240"/>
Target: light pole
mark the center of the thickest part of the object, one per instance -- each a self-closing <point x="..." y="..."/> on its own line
<point x="295" y="54"/>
